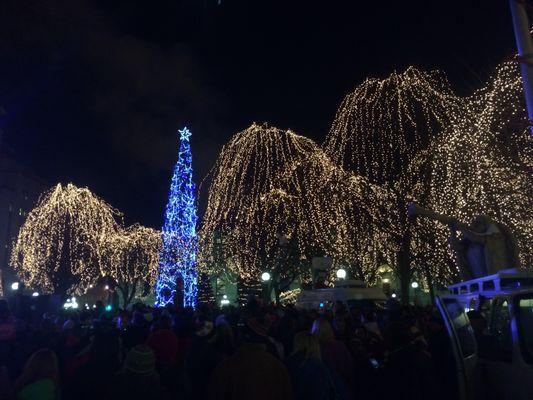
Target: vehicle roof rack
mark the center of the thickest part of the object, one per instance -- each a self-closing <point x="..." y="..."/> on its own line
<point x="507" y="279"/>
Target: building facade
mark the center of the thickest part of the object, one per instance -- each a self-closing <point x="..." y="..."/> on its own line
<point x="19" y="191"/>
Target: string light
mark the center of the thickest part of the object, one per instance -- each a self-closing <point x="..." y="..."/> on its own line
<point x="465" y="167"/>
<point x="58" y="248"/>
<point x="404" y="138"/>
<point x="131" y="256"/>
<point x="479" y="165"/>
<point x="72" y="238"/>
<point x="245" y="204"/>
<point x="178" y="255"/>
<point x="270" y="184"/>
<point x="384" y="123"/>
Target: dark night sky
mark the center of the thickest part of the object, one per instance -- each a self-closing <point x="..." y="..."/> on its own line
<point x="95" y="90"/>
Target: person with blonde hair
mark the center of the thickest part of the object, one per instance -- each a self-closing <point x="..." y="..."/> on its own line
<point x="336" y="356"/>
<point x="310" y="377"/>
<point x="39" y="380"/>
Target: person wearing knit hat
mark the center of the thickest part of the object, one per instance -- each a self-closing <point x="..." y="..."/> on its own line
<point x="257" y="326"/>
<point x="138" y="379"/>
<point x="140" y="360"/>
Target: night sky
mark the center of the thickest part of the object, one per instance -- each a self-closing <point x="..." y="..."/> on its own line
<point x="95" y="91"/>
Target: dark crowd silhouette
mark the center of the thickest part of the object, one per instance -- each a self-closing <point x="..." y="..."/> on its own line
<point x="256" y="351"/>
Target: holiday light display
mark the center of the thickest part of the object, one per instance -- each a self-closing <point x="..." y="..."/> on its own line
<point x="58" y="248"/>
<point x="466" y="168"/>
<point x="384" y="123"/>
<point x="131" y="258"/>
<point x="404" y="138"/>
<point x="246" y="204"/>
<point x="480" y="165"/>
<point x="272" y="186"/>
<point x="178" y="255"/>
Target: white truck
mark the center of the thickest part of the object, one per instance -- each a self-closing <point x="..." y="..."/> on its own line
<point x="352" y="293"/>
<point x="497" y="363"/>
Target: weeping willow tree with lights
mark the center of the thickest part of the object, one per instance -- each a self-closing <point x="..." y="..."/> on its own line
<point x="246" y="204"/>
<point x="278" y="201"/>
<point x="412" y="136"/>
<point x="131" y="258"/>
<point x="59" y="246"/>
<point x="378" y="131"/>
<point x="333" y="208"/>
<point x="404" y="138"/>
<point x="481" y="165"/>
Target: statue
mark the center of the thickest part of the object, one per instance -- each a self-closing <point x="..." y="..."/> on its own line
<point x="485" y="247"/>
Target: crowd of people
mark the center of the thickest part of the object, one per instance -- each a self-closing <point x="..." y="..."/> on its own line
<point x="256" y="351"/>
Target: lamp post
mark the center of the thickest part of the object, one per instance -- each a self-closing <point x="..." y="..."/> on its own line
<point x="415" y="287"/>
<point x="266" y="280"/>
<point x="341" y="273"/>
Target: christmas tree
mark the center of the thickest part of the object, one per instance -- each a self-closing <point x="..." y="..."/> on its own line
<point x="177" y="265"/>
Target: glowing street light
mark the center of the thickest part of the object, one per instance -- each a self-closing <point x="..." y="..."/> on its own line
<point x="341" y="273"/>
<point x="70" y="303"/>
<point x="414" y="285"/>
<point x="265" y="276"/>
<point x="393" y="295"/>
<point x="224" y="301"/>
<point x="35" y="294"/>
<point x="15" y="286"/>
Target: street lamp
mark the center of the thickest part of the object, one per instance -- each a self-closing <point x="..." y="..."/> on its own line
<point x="35" y="294"/>
<point x="224" y="301"/>
<point x="15" y="286"/>
<point x="265" y="276"/>
<point x="341" y="273"/>
<point x="414" y="285"/>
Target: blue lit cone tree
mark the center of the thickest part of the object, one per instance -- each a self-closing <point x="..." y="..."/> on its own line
<point x="177" y="265"/>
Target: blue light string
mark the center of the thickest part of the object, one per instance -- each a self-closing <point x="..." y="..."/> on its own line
<point x="180" y="242"/>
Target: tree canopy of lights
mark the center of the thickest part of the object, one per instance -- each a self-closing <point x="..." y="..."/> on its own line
<point x="59" y="246"/>
<point x="480" y="165"/>
<point x="131" y="258"/>
<point x="404" y="138"/>
<point x="468" y="164"/>
<point x="180" y="242"/>
<point x="246" y="204"/>
<point x="275" y="196"/>
<point x="384" y="123"/>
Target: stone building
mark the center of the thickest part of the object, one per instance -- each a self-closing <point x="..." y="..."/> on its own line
<point x="20" y="188"/>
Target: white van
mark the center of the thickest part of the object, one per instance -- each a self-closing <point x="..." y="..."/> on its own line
<point x="501" y="365"/>
<point x="352" y="293"/>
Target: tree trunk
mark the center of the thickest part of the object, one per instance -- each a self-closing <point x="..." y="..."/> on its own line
<point x="132" y="293"/>
<point x="430" y="285"/>
<point x="405" y="267"/>
<point x="124" y="291"/>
